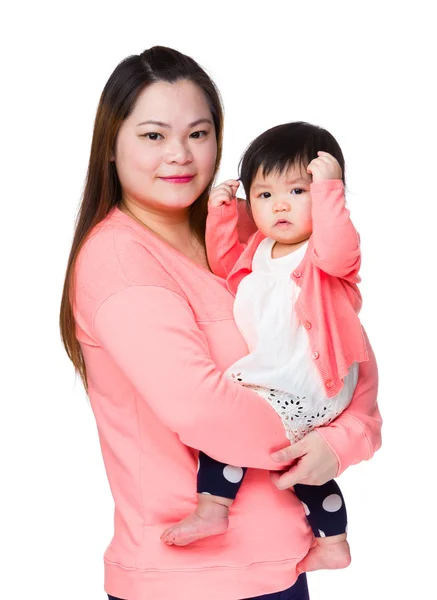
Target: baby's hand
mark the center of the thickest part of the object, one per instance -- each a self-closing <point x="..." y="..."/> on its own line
<point x="224" y="193"/>
<point x="324" y="167"/>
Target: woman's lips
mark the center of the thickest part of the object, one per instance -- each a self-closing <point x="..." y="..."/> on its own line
<point x="180" y="179"/>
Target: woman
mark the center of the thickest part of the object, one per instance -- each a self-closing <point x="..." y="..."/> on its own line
<point x="150" y="330"/>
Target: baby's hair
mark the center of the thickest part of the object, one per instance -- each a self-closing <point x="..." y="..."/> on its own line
<point x="285" y="146"/>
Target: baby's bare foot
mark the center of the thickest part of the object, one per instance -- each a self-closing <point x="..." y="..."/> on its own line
<point x="325" y="555"/>
<point x="209" y="518"/>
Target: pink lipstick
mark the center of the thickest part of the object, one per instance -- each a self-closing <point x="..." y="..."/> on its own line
<point x="178" y="179"/>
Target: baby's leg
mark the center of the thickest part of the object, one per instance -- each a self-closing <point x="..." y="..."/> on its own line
<point x="326" y="513"/>
<point x="217" y="487"/>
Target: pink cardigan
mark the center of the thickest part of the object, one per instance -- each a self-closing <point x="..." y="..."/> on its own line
<point x="157" y="333"/>
<point x="329" y="301"/>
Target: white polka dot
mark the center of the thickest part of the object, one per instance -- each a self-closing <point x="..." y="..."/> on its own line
<point x="332" y="503"/>
<point x="233" y="474"/>
<point x="321" y="533"/>
<point x="306" y="509"/>
<point x="206" y="493"/>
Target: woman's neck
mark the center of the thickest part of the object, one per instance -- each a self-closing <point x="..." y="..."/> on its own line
<point x="172" y="227"/>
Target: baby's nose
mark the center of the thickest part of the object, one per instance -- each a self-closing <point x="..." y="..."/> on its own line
<point x="281" y="207"/>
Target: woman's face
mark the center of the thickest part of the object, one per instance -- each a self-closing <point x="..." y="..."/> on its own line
<point x="166" y="149"/>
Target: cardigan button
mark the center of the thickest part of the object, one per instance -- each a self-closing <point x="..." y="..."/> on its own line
<point x="297" y="274"/>
<point x="315" y="355"/>
<point x="307" y="325"/>
<point x="329" y="383"/>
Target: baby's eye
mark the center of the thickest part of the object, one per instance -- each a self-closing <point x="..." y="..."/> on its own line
<point x="152" y="135"/>
<point x="297" y="191"/>
<point x="265" y="195"/>
<point x="198" y="134"/>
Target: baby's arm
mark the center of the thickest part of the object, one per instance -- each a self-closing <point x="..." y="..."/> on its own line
<point x="222" y="243"/>
<point x="336" y="243"/>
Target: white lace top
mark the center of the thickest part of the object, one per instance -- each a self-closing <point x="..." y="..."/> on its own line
<point x="279" y="366"/>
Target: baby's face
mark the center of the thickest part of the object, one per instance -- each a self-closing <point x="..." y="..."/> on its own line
<point x="281" y="205"/>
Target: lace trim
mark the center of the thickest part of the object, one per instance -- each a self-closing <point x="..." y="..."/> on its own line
<point x="298" y="414"/>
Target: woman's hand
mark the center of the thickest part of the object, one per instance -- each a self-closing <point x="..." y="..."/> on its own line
<point x="224" y="193"/>
<point x="316" y="462"/>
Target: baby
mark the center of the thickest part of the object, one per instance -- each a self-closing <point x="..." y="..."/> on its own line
<point x="296" y="304"/>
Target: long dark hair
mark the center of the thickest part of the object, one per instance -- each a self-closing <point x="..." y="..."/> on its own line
<point x="102" y="188"/>
<point x="284" y="146"/>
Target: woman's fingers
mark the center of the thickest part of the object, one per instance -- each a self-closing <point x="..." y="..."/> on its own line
<point x="290" y="478"/>
<point x="316" y="462"/>
<point x="289" y="453"/>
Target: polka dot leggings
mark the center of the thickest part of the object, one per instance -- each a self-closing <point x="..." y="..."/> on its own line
<point x="323" y="504"/>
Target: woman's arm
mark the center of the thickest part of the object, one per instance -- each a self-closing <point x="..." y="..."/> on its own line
<point x="152" y="336"/>
<point x="354" y="436"/>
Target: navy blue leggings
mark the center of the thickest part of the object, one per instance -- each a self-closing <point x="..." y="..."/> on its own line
<point x="298" y="591"/>
<point x="323" y="504"/>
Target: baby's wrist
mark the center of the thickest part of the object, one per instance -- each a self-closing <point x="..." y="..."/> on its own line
<point x="223" y="206"/>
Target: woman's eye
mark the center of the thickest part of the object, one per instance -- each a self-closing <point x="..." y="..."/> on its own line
<point x="265" y="195"/>
<point x="297" y="191"/>
<point x="198" y="134"/>
<point x="152" y="135"/>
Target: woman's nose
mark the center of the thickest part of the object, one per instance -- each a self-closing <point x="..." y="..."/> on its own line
<point x="179" y="153"/>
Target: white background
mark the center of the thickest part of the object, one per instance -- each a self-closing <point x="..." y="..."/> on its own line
<point x="365" y="71"/>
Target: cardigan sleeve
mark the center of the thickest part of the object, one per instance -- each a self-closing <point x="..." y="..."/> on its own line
<point x="151" y="334"/>
<point x="246" y="224"/>
<point x="355" y="435"/>
<point x="223" y="245"/>
<point x="336" y="243"/>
